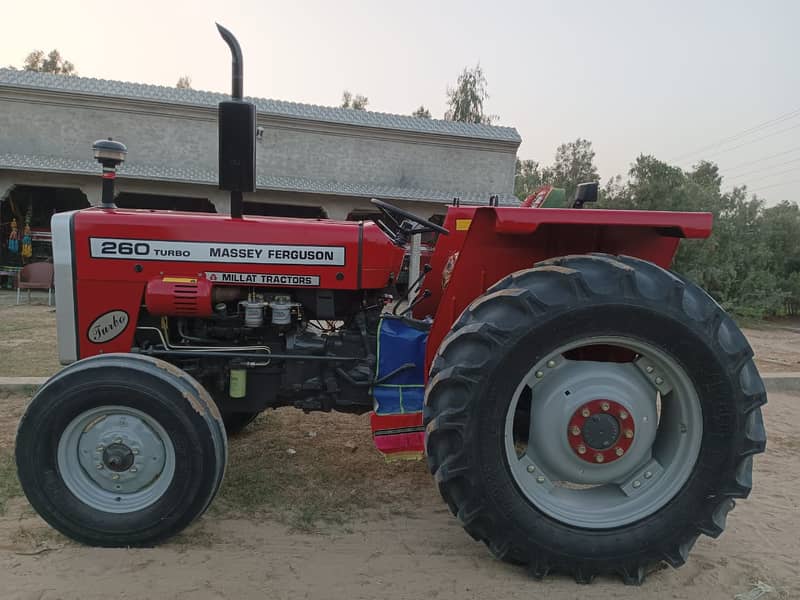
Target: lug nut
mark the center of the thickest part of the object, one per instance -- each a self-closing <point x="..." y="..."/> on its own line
<point x="539" y="374"/>
<point x="135" y="450"/>
<point x="581" y="449"/>
<point x="619" y="451"/>
<point x="649" y="369"/>
<point x="99" y="467"/>
<point x="637" y="484"/>
<point x="100" y="448"/>
<point x="540" y="479"/>
<point x="629" y="433"/>
<point x="134" y="470"/>
<point x="531" y="468"/>
<point x="623" y="415"/>
<point x="648" y="474"/>
<point x="605" y="406"/>
<point x="575" y="430"/>
<point x="599" y="458"/>
<point x="118" y="441"/>
<point x="586" y="412"/>
<point x="551" y="364"/>
<point x="659" y="380"/>
<point x="115" y="476"/>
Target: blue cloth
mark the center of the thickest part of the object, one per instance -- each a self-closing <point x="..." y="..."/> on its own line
<point x="400" y="341"/>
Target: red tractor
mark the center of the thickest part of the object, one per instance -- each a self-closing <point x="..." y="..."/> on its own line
<point x="583" y="409"/>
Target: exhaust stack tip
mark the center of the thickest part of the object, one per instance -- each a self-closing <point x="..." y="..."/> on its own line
<point x="237" y="61"/>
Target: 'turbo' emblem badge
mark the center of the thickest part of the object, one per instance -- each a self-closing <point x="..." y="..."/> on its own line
<point x="107" y="326"/>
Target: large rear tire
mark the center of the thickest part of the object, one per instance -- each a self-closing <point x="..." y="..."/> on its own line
<point x="121" y="450"/>
<point x="592" y="415"/>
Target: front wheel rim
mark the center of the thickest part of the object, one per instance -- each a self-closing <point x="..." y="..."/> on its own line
<point x="116" y="459"/>
<point x="592" y="475"/>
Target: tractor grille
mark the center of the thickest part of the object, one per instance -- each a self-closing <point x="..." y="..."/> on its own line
<point x="186" y="298"/>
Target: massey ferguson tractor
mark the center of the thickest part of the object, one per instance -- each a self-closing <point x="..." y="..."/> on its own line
<point x="583" y="409"/>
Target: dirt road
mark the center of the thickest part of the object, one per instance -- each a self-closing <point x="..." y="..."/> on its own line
<point x="397" y="540"/>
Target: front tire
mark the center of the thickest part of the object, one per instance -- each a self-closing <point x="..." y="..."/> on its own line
<point x="121" y="450"/>
<point x="667" y="380"/>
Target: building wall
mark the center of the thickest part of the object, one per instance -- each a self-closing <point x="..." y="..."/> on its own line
<point x="42" y="122"/>
<point x="335" y="207"/>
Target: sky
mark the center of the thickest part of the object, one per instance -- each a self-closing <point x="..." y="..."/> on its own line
<point x="677" y="79"/>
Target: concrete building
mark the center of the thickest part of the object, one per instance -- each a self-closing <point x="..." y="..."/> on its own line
<point x="311" y="160"/>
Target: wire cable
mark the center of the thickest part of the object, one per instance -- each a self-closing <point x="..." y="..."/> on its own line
<point x="761" y="170"/>
<point x="772" y="185"/>
<point x="750" y="142"/>
<point x="767" y="176"/>
<point x="758" y="160"/>
<point x="741" y="134"/>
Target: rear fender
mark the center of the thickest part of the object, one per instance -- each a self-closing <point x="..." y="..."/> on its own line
<point x="488" y="243"/>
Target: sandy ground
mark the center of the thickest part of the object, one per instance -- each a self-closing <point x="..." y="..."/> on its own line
<point x="405" y="545"/>
<point x="776" y="345"/>
<point x="329" y="522"/>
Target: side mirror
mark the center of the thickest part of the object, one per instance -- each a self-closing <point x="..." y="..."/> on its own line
<point x="586" y="192"/>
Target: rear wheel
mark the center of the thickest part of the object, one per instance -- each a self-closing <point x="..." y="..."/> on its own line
<point x="121" y="450"/>
<point x="593" y="415"/>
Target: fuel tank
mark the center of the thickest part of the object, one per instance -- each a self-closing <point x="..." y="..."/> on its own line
<point x="137" y="245"/>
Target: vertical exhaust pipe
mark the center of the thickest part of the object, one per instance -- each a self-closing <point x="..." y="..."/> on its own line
<point x="237" y="62"/>
<point x="237" y="133"/>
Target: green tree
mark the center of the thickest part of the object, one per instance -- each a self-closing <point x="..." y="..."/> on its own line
<point x="573" y="164"/>
<point x="421" y="113"/>
<point x="736" y="264"/>
<point x="781" y="233"/>
<point x="527" y="178"/>
<point x="51" y="63"/>
<point x="184" y="83"/>
<point x="357" y="102"/>
<point x="465" y="101"/>
<point x="751" y="261"/>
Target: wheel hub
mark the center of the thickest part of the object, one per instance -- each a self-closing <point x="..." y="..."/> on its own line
<point x="118" y="457"/>
<point x="601" y="431"/>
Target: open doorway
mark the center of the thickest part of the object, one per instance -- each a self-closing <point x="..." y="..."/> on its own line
<point x="159" y="202"/>
<point x="33" y="206"/>
<point x="265" y="209"/>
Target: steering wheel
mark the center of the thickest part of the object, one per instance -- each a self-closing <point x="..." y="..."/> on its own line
<point x="397" y="216"/>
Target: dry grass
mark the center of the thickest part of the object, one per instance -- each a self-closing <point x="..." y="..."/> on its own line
<point x="27" y="339"/>
<point x="11" y="408"/>
<point x="324" y="484"/>
<point x="9" y="486"/>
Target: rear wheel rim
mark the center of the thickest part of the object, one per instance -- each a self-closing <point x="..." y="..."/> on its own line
<point x="628" y="471"/>
<point x="116" y="459"/>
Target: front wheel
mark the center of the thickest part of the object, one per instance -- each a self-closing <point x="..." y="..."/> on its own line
<point x="121" y="450"/>
<point x="592" y="415"/>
